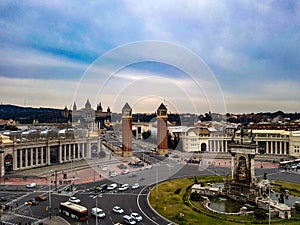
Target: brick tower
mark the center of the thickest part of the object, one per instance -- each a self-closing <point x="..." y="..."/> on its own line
<point x="162" y="131"/>
<point x="126" y="131"/>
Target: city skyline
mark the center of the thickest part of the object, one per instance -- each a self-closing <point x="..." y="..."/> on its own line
<point x="248" y="49"/>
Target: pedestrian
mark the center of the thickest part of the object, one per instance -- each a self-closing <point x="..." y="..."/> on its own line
<point x="17" y="204"/>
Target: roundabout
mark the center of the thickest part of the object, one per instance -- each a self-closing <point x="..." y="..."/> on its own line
<point x="175" y="204"/>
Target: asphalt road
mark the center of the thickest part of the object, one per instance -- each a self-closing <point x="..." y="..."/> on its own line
<point x="129" y="200"/>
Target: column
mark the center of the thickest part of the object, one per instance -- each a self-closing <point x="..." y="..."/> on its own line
<point x="69" y="152"/>
<point x="48" y="155"/>
<point x="280" y="147"/>
<point x="31" y="157"/>
<point x="21" y="158"/>
<point x="36" y="155"/>
<point x="267" y="147"/>
<point x="59" y="153"/>
<point x="276" y="147"/>
<point x="88" y="150"/>
<point x="79" y="150"/>
<point x="42" y="155"/>
<point x="271" y="147"/>
<point x="15" y="159"/>
<point x="26" y="157"/>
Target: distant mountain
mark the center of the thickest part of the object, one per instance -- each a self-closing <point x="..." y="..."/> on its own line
<point x="26" y="115"/>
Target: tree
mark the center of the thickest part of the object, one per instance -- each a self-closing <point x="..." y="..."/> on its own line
<point x="260" y="214"/>
<point x="297" y="207"/>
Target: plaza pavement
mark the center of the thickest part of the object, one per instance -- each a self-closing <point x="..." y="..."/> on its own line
<point x="90" y="170"/>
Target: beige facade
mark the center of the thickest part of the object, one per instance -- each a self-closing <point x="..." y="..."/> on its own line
<point x="272" y="142"/>
<point x="19" y="155"/>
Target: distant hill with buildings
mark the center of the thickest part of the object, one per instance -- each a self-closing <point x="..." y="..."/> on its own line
<point x="26" y="115"/>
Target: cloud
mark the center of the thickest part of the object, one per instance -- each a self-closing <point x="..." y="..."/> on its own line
<point x="242" y="42"/>
<point x="37" y="92"/>
<point x="34" y="64"/>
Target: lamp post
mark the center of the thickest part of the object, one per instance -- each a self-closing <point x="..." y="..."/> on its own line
<point x="156" y="187"/>
<point x="269" y="202"/>
<point x="97" y="209"/>
<point x="49" y="209"/>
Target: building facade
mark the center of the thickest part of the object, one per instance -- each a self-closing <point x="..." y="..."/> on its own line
<point x="89" y="118"/>
<point x="19" y="154"/>
<point x="271" y="142"/>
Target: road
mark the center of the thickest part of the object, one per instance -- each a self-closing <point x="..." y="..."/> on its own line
<point x="129" y="200"/>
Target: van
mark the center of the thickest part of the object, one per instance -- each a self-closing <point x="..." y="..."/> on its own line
<point x="128" y="220"/>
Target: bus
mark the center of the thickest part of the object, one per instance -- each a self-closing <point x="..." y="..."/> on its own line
<point x="75" y="211"/>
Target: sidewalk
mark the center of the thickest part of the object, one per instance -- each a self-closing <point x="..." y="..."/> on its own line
<point x="82" y="171"/>
<point x="55" y="220"/>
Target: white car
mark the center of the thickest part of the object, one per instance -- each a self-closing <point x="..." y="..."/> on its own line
<point x="113" y="174"/>
<point x="32" y="185"/>
<point x="74" y="200"/>
<point x="98" y="212"/>
<point x="135" y="186"/>
<point x="128" y="220"/>
<point x="118" y="209"/>
<point x="137" y="217"/>
<point x="125" y="171"/>
<point x="124" y="187"/>
<point x="105" y="168"/>
<point x="112" y="187"/>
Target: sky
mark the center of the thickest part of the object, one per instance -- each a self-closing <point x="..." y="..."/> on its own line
<point x="194" y="56"/>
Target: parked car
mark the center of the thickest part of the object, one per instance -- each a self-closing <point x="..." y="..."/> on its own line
<point x="3" y="199"/>
<point x="137" y="217"/>
<point x="135" y="186"/>
<point x="118" y="209"/>
<point x="101" y="188"/>
<point x="124" y="187"/>
<point x="98" y="212"/>
<point x="112" y="186"/>
<point x="40" y="198"/>
<point x="74" y="200"/>
<point x="122" y="166"/>
<point x="112" y="174"/>
<point x="32" y="185"/>
<point x="126" y="171"/>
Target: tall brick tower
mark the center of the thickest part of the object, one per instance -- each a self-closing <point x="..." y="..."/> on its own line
<point x="126" y="131"/>
<point x="162" y="130"/>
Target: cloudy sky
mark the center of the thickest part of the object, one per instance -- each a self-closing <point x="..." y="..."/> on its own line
<point x="195" y="56"/>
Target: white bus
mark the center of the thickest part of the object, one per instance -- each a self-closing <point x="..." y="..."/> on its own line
<point x="73" y="210"/>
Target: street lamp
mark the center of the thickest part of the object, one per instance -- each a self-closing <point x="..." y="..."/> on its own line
<point x="97" y="196"/>
<point x="156" y="187"/>
<point x="269" y="202"/>
<point x="49" y="209"/>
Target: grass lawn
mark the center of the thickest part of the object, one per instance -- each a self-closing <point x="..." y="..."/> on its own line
<point x="168" y="202"/>
<point x="294" y="189"/>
